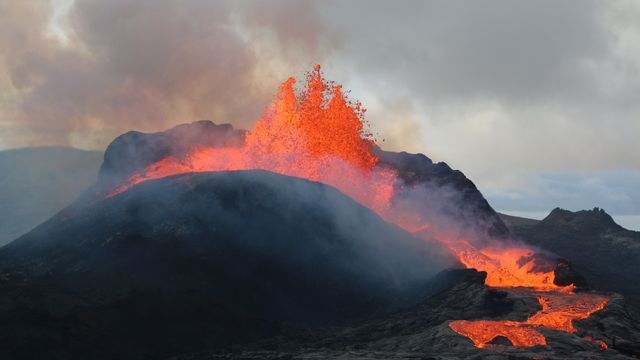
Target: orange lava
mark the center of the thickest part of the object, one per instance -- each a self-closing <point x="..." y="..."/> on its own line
<point x="505" y="267"/>
<point x="514" y="268"/>
<point x="482" y="332"/>
<point x="318" y="134"/>
<point x="560" y="309"/>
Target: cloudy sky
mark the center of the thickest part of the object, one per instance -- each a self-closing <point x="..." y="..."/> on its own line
<point x="538" y="102"/>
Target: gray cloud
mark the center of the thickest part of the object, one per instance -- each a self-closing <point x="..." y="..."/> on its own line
<point x="504" y="90"/>
<point x="516" y="50"/>
<point x="528" y="61"/>
<point x="143" y="65"/>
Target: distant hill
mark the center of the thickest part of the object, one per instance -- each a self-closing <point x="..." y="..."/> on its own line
<point x="515" y="222"/>
<point x="605" y="253"/>
<point x="37" y="182"/>
<point x="518" y="226"/>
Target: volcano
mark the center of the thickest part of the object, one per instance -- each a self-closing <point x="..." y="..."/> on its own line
<point x="301" y="237"/>
<point x="208" y="258"/>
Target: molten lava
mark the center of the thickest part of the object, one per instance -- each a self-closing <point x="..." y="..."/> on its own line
<point x="505" y="267"/>
<point x="482" y="332"/>
<point x="318" y="134"/>
<point x="559" y="309"/>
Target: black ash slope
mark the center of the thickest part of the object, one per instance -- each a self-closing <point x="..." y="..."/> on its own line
<point x="200" y="261"/>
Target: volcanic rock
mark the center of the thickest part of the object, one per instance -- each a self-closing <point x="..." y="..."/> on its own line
<point x="201" y="261"/>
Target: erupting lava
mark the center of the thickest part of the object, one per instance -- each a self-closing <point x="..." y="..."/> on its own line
<point x="319" y="135"/>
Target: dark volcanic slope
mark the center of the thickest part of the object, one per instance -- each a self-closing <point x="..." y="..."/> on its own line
<point x="605" y="253"/>
<point x="198" y="261"/>
<point x="422" y="331"/>
<point x="35" y="183"/>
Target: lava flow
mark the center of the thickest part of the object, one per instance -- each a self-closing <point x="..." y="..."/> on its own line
<point x="318" y="134"/>
<point x="559" y="309"/>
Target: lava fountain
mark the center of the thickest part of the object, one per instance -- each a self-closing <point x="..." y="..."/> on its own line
<point x="320" y="135"/>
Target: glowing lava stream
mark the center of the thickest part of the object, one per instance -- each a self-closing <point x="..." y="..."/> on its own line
<point x="559" y="309"/>
<point x="320" y="135"/>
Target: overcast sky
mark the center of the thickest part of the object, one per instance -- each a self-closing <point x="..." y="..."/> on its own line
<point x="538" y="102"/>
